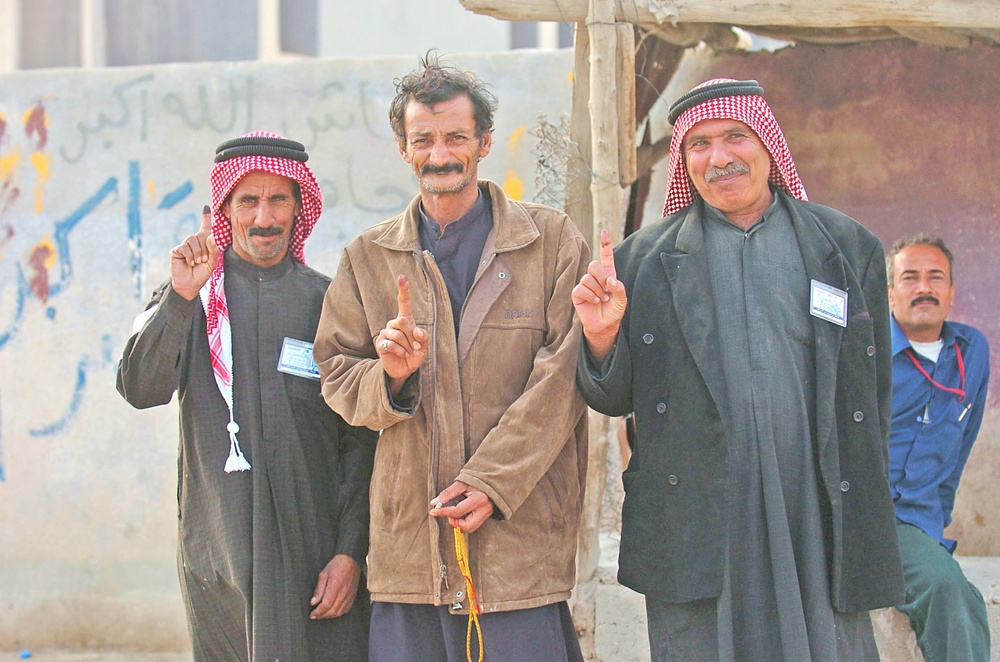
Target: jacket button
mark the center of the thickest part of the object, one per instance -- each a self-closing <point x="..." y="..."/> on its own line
<point x="672" y="479"/>
<point x="844" y="486"/>
<point x="858" y="417"/>
<point x="870" y="351"/>
<point x="647" y="338"/>
<point x="660" y="407"/>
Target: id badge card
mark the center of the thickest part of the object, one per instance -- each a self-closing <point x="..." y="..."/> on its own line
<point x="828" y="303"/>
<point x="297" y="359"/>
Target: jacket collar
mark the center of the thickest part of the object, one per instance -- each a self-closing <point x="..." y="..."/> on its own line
<point x="949" y="334"/>
<point x="513" y="228"/>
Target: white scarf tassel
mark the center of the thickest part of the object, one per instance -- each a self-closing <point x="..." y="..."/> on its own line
<point x="236" y="461"/>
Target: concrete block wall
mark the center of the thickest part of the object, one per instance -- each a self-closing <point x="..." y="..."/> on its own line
<point x="101" y="173"/>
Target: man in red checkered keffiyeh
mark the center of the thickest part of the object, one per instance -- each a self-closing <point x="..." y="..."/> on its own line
<point x="725" y="98"/>
<point x="272" y="484"/>
<point x="748" y="332"/>
<point x="263" y="152"/>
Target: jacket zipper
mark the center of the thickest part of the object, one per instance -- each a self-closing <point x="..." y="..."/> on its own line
<point x="435" y="450"/>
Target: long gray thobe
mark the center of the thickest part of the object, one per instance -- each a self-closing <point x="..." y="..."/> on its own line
<point x="252" y="544"/>
<point x="775" y="602"/>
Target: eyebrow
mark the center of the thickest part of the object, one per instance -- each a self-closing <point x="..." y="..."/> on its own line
<point x="933" y="271"/>
<point x="697" y="136"/>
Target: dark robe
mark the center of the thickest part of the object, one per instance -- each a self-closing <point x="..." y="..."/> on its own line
<point x="252" y="543"/>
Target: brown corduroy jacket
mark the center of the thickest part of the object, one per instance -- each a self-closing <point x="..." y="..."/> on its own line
<point x="495" y="408"/>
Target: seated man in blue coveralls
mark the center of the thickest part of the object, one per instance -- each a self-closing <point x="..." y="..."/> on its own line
<point x="940" y="374"/>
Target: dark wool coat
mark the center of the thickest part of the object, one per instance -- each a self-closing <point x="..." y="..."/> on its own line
<point x="666" y="367"/>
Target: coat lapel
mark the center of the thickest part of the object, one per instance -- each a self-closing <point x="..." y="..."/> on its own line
<point x="686" y="268"/>
<point x="823" y="262"/>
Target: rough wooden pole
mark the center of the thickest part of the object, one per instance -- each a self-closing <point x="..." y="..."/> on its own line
<point x="608" y="200"/>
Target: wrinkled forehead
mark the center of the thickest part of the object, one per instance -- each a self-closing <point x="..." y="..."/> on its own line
<point x="263" y="180"/>
<point x="454" y="113"/>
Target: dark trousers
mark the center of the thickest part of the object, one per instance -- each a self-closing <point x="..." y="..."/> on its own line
<point x="425" y="633"/>
<point x="946" y="611"/>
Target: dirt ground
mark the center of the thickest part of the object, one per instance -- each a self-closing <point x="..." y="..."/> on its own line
<point x="620" y="636"/>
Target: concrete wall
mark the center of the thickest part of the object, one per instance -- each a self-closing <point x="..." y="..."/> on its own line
<point x="390" y="27"/>
<point x="101" y="173"/>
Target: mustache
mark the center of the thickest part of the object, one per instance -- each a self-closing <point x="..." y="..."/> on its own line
<point x="925" y="298"/>
<point x="731" y="169"/>
<point x="269" y="231"/>
<point x="430" y="169"/>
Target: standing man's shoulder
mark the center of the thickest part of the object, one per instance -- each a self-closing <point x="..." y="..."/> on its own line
<point x="975" y="337"/>
<point x="310" y="279"/>
<point x="840" y="226"/>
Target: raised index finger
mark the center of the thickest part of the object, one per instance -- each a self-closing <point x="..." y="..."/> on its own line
<point x="608" y="255"/>
<point x="403" y="297"/>
<point x="206" y="219"/>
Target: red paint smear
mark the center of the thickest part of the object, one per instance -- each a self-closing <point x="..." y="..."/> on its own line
<point x="8" y="194"/>
<point x="39" y="274"/>
<point x="3" y="127"/>
<point x="36" y="125"/>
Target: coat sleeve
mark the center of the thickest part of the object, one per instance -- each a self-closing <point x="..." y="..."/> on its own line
<point x="515" y="454"/>
<point x="357" y="456"/>
<point x="354" y="382"/>
<point x="607" y="386"/>
<point x="149" y="369"/>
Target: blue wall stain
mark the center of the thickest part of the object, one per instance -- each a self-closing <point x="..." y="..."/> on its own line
<point x="23" y="290"/>
<point x="50" y="312"/>
<point x="135" y="228"/>
<point x="74" y="404"/>
<point x="178" y="194"/>
<point x="65" y="227"/>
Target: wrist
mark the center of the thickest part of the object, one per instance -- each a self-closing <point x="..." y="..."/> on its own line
<point x="600" y="345"/>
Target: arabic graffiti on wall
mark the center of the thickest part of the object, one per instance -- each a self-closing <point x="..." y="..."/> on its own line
<point x="101" y="173"/>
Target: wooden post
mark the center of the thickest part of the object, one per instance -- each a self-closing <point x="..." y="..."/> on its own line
<point x="608" y="61"/>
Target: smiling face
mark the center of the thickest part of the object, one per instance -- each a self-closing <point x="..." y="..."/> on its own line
<point x="262" y="209"/>
<point x="729" y="166"/>
<point x="441" y="145"/>
<point x="921" y="291"/>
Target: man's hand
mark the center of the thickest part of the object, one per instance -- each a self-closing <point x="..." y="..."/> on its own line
<point x="600" y="301"/>
<point x="401" y="345"/>
<point x="469" y="513"/>
<point x="336" y="588"/>
<point x="192" y="262"/>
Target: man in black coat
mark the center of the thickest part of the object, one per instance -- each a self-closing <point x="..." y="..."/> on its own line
<point x="755" y="356"/>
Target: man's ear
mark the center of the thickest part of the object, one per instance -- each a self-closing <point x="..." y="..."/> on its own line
<point x="486" y="142"/>
<point x="401" y="146"/>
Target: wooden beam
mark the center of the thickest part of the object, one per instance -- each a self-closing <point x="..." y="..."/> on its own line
<point x="625" y="111"/>
<point x="983" y="14"/>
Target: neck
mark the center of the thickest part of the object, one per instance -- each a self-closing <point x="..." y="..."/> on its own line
<point x="745" y="219"/>
<point x="443" y="208"/>
<point x="923" y="335"/>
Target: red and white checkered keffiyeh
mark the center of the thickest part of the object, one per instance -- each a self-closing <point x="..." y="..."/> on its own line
<point x="753" y="111"/>
<point x="224" y="178"/>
